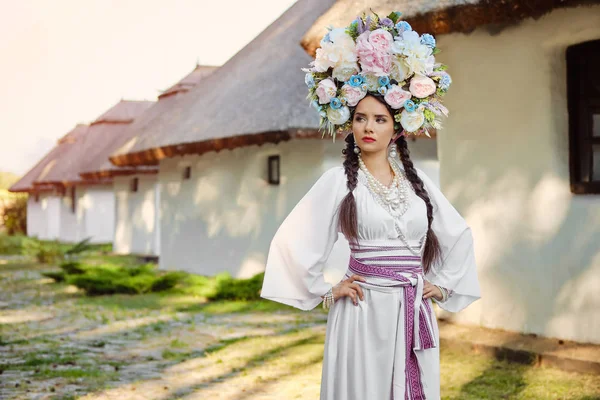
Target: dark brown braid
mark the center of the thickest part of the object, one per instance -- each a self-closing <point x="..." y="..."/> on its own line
<point x="348" y="215"/>
<point x="432" y="252"/>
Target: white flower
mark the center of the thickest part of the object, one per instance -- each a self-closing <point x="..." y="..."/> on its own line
<point x="406" y="42"/>
<point x="400" y="70"/>
<point x="344" y="73"/>
<point x="421" y="66"/>
<point x="371" y="81"/>
<point x="412" y="121"/>
<point x="339" y="116"/>
<point x="339" y="53"/>
<point x="419" y="57"/>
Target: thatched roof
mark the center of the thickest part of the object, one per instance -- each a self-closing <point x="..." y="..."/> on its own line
<point x="102" y="168"/>
<point x="184" y="85"/>
<point x="257" y="96"/>
<point x="96" y="145"/>
<point x="48" y="164"/>
<point x="436" y="16"/>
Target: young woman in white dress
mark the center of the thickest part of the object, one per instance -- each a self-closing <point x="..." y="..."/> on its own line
<point x="408" y="245"/>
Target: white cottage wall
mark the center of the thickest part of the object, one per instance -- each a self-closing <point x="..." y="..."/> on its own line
<point x="71" y="223"/>
<point x="136" y="215"/>
<point x="37" y="217"/>
<point x="505" y="166"/>
<point x="97" y="203"/>
<point x="224" y="217"/>
<point x="52" y="210"/>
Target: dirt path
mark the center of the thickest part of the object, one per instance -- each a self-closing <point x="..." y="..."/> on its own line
<point x="56" y="343"/>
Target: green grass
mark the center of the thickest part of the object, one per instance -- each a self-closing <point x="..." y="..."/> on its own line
<point x="470" y="376"/>
<point x="227" y="344"/>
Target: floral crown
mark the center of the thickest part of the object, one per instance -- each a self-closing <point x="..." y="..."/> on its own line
<point x="381" y="56"/>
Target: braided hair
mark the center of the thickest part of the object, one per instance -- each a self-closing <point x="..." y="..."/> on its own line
<point x="348" y="217"/>
<point x="347" y="212"/>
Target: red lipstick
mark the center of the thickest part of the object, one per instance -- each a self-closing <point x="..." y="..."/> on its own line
<point x="368" y="139"/>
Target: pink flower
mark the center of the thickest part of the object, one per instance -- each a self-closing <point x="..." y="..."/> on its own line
<point x="381" y="40"/>
<point x="326" y="90"/>
<point x="373" y="60"/>
<point x="396" y="97"/>
<point x="422" y="86"/>
<point x="353" y="94"/>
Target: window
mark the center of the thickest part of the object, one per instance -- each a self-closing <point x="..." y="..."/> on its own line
<point x="187" y="173"/>
<point x="73" y="200"/>
<point x="37" y="197"/>
<point x="583" y="95"/>
<point x="134" y="185"/>
<point x="273" y="170"/>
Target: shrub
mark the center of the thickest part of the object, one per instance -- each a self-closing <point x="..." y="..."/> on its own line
<point x="14" y="215"/>
<point x="58" y="276"/>
<point x="72" y="268"/>
<point x="14" y="245"/>
<point x="169" y="281"/>
<point x="47" y="252"/>
<point x="238" y="289"/>
<point x="113" y="279"/>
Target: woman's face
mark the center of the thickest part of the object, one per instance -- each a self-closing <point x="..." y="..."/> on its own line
<point x="372" y="126"/>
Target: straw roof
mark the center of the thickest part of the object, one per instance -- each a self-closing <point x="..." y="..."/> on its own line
<point x="97" y="143"/>
<point x="184" y="85"/>
<point x="102" y="168"/>
<point x="257" y="96"/>
<point x="436" y="16"/>
<point x="50" y="161"/>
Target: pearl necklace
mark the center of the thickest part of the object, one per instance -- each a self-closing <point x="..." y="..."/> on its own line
<point x="393" y="198"/>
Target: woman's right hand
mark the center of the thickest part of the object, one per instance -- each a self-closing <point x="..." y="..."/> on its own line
<point x="349" y="288"/>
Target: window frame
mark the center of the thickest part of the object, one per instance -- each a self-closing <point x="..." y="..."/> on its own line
<point x="582" y="104"/>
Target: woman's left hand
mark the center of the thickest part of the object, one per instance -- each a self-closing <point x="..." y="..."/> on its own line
<point x="430" y="290"/>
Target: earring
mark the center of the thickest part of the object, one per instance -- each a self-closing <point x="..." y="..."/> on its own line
<point x="393" y="153"/>
<point x="356" y="148"/>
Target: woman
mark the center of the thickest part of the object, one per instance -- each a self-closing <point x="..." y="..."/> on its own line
<point x="408" y="244"/>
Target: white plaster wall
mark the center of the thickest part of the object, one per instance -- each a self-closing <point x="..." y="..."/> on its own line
<point x="72" y="227"/>
<point x="504" y="158"/>
<point x="37" y="220"/>
<point x="224" y="217"/>
<point x="136" y="216"/>
<point x="97" y="204"/>
<point x="52" y="212"/>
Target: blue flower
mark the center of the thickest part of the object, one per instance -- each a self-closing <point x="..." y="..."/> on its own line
<point x="309" y="80"/>
<point x="355" y="80"/>
<point x="315" y="104"/>
<point x="323" y="114"/>
<point x="403" y="26"/>
<point x="384" y="81"/>
<point x="326" y="38"/>
<point x="445" y="82"/>
<point x="335" y="103"/>
<point x="410" y="106"/>
<point x="382" y="89"/>
<point x="428" y="40"/>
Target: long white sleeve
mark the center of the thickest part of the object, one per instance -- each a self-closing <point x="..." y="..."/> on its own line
<point x="457" y="270"/>
<point x="302" y="244"/>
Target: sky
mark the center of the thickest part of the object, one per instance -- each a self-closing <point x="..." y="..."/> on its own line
<point x="64" y="62"/>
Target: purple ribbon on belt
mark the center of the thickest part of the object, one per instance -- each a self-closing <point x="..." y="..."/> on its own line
<point x="418" y="331"/>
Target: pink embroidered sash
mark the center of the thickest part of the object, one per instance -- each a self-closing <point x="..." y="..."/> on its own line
<point x="389" y="263"/>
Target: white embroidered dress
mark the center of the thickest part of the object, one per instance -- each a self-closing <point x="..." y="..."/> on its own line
<point x="387" y="347"/>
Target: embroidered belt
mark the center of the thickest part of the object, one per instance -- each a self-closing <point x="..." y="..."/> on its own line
<point x="418" y="315"/>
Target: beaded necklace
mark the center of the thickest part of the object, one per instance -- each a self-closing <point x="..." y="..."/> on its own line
<point x="393" y="198"/>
